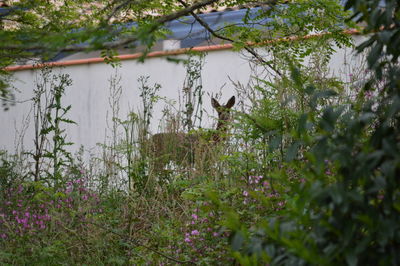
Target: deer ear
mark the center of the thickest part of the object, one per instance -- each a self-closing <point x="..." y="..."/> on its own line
<point x="230" y="103"/>
<point x="215" y="103"/>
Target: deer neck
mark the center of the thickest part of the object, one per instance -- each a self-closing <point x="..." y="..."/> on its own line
<point x="220" y="132"/>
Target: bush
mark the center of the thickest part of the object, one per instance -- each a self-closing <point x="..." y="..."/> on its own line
<point x="347" y="209"/>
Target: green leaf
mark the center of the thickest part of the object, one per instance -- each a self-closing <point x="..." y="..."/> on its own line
<point x="292" y="151"/>
<point x="237" y="241"/>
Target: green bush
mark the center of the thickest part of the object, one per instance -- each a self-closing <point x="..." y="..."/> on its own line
<point x="347" y="209"/>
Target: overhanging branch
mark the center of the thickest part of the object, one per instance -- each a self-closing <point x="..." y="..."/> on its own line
<point x="114" y="44"/>
<point x="246" y="47"/>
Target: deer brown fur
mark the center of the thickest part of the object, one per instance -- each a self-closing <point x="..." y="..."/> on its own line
<point x="185" y="148"/>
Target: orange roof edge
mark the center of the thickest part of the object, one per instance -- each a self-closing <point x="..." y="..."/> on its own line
<point x="157" y="53"/>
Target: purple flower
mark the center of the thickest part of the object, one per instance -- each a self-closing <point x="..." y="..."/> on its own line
<point x="245" y="193"/>
<point x="195" y="233"/>
<point x="328" y="172"/>
<point x="187" y="240"/>
<point x="194" y="216"/>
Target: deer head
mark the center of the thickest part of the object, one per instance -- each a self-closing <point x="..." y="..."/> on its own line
<point x="182" y="148"/>
<point x="223" y="117"/>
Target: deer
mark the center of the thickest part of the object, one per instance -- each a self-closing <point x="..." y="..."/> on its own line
<point x="185" y="148"/>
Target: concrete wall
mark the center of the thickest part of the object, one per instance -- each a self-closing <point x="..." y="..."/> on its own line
<point x="89" y="94"/>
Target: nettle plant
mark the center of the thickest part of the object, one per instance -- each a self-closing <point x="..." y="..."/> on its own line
<point x="50" y="116"/>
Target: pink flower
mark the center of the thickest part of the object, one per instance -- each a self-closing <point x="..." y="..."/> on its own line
<point x="215" y="234"/>
<point x="187" y="240"/>
<point x="328" y="172"/>
<point x="194" y="216"/>
<point x="195" y="233"/>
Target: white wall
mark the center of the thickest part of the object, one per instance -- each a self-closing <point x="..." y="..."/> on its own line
<point x="89" y="94"/>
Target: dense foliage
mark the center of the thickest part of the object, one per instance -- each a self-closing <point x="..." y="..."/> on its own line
<point x="346" y="209"/>
<point x="309" y="175"/>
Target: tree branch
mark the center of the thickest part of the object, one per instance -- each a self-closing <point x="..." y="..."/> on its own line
<point x="121" y="42"/>
<point x="246" y="47"/>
